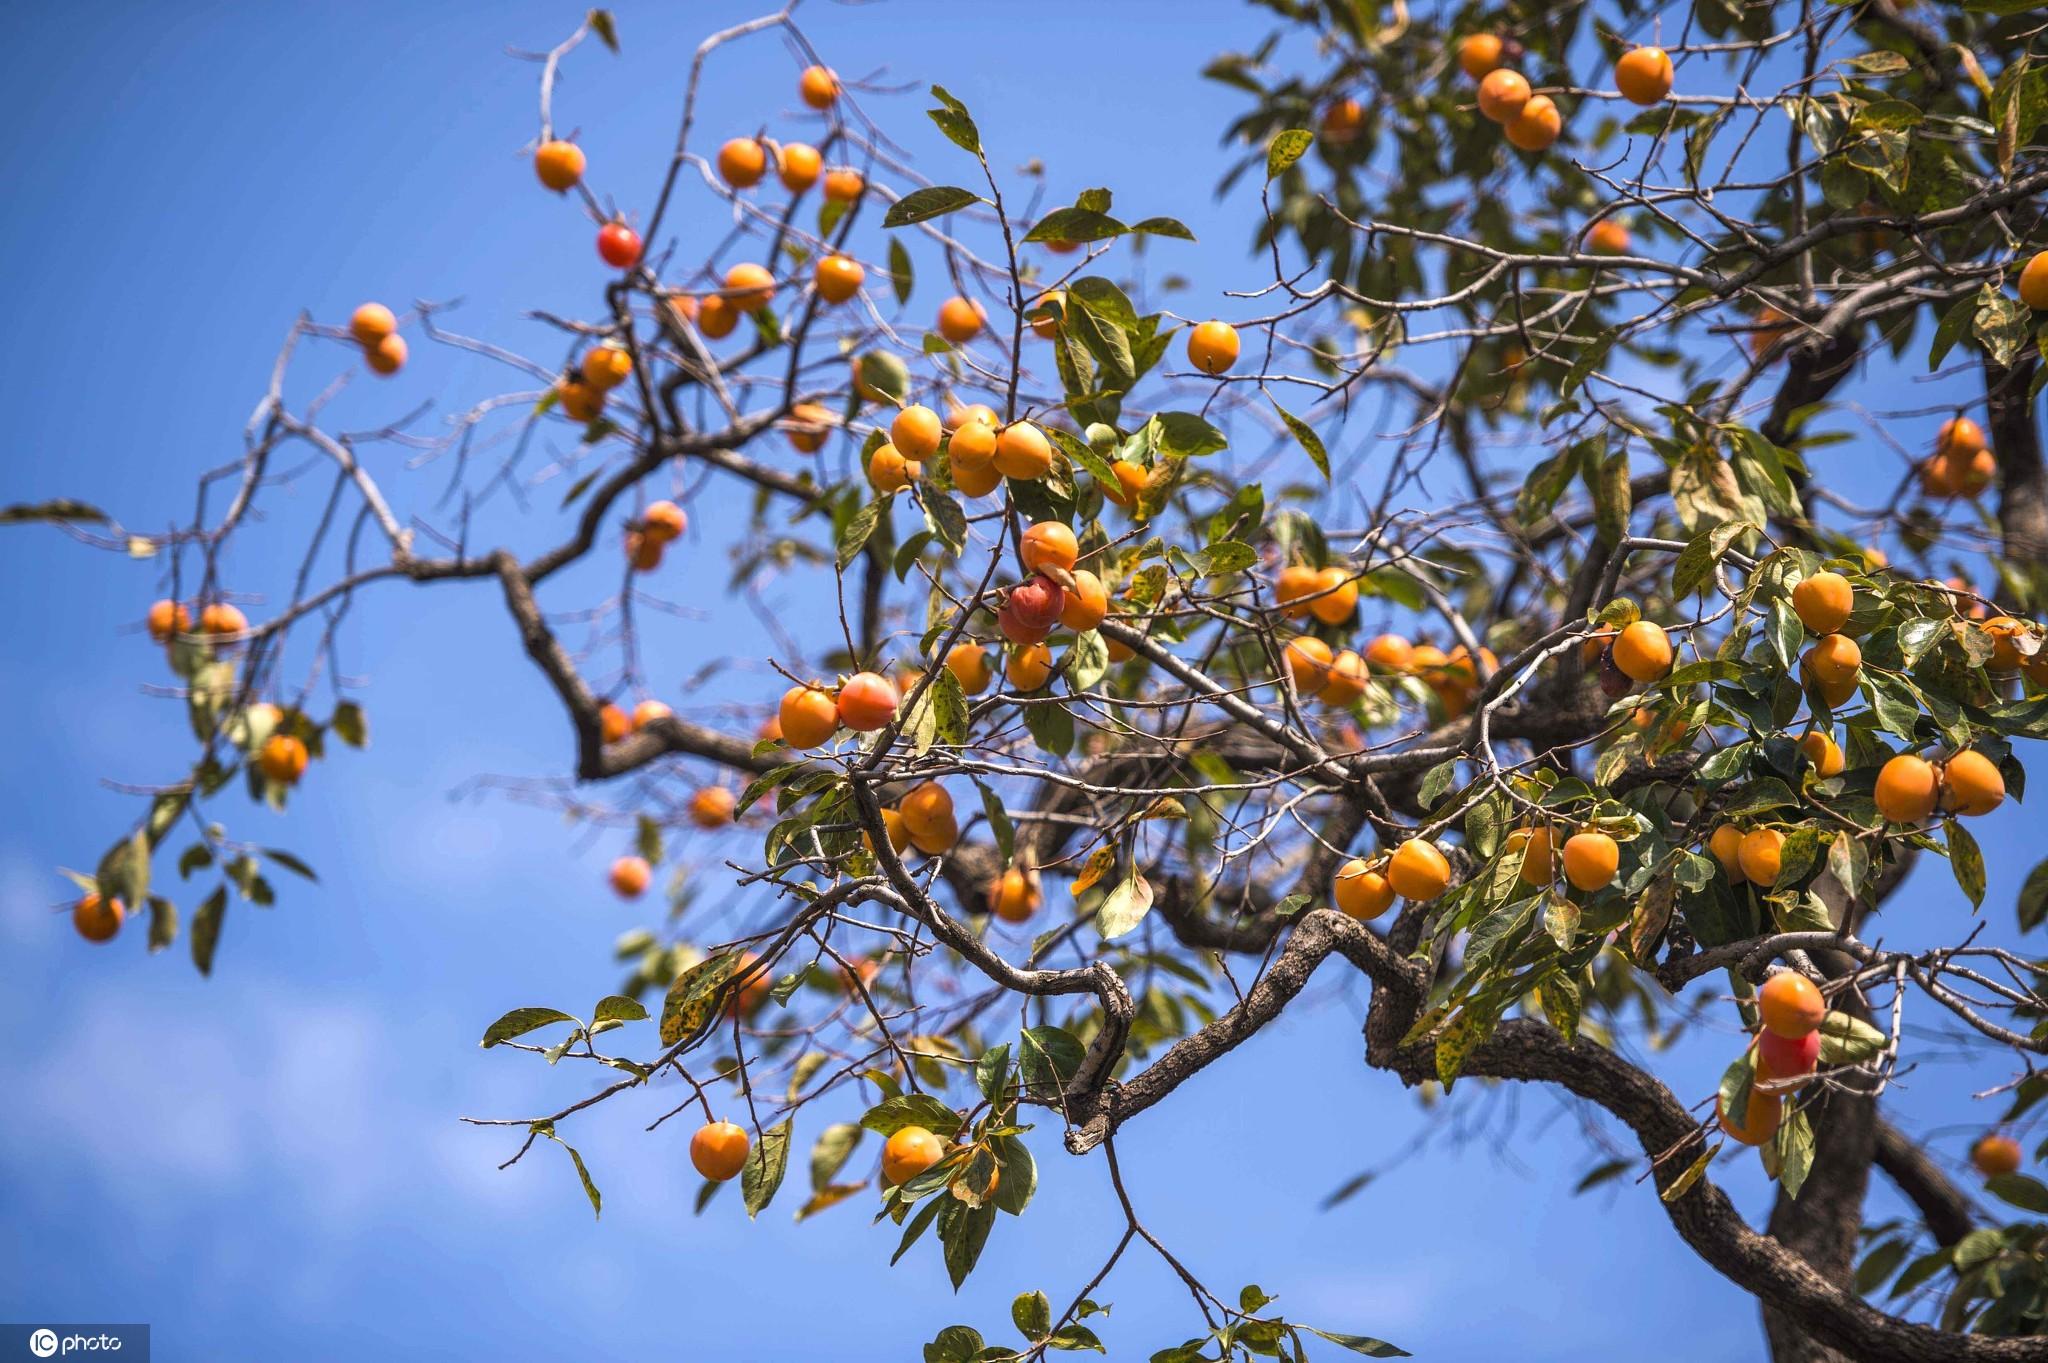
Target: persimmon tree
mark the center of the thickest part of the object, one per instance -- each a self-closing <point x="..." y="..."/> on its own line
<point x="1552" y="313"/>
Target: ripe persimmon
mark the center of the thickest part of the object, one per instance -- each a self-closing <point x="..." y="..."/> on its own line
<point x="742" y="162"/>
<point x="1049" y="544"/>
<point x="749" y="287"/>
<point x="978" y="481"/>
<point x="1342" y="121"/>
<point x="711" y="807"/>
<point x="818" y="87"/>
<point x="1907" y="789"/>
<point x="1308" y="662"/>
<point x="972" y="446"/>
<point x="1479" y="53"/>
<point x="716" y="317"/>
<point x="1824" y="602"/>
<point x="97" y="918"/>
<point x="283" y="758"/>
<point x="1537" y="845"/>
<point x="1051" y="308"/>
<point x="613" y="723"/>
<point x="1971" y="784"/>
<point x="1959" y="435"/>
<point x="889" y="471"/>
<point x="798" y="166"/>
<point x="867" y="702"/>
<point x="2033" y="284"/>
<point x="1390" y="653"/>
<point x="1790" y="1005"/>
<point x="387" y="356"/>
<point x="1590" y="860"/>
<point x="808" y="715"/>
<point x="1130" y="482"/>
<point x="618" y="245"/>
<point x="1087" y="603"/>
<point x="629" y="877"/>
<point x="167" y="618"/>
<point x="1023" y="452"/>
<point x="807" y="427"/>
<point x="1994" y="1156"/>
<point x="643" y="550"/>
<point x="1644" y="75"/>
<point x="843" y="184"/>
<point x="1726" y="846"/>
<point x="896" y="828"/>
<point x="1346" y="682"/>
<point x="221" y="618"/>
<point x="970" y="667"/>
<point x="838" y="278"/>
<point x="1028" y="667"/>
<point x="1503" y="94"/>
<point x="1786" y="1057"/>
<point x="916" y="433"/>
<point x="1822" y="750"/>
<point x="1212" y="347"/>
<point x="1418" y="871"/>
<point x="1361" y="891"/>
<point x="1035" y="604"/>
<point x="1643" y="651"/>
<point x="909" y="1152"/>
<point x="960" y="320"/>
<point x="371" y="323"/>
<point x="718" y="1151"/>
<point x="1758" y="1123"/>
<point x="1762" y="853"/>
<point x="937" y="838"/>
<point x="1537" y="125"/>
<point x="926" y="807"/>
<point x="2005" y="649"/>
<point x="559" y="165"/>
<point x="1012" y="896"/>
<point x="1608" y="237"/>
<point x="1297" y="582"/>
<point x="664" y="520"/>
<point x="606" y="366"/>
<point x="650" y="711"/>
<point x="1336" y="595"/>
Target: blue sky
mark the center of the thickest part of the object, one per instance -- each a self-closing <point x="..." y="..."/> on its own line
<point x="267" y="1163"/>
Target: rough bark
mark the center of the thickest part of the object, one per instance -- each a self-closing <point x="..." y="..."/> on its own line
<point x="2016" y="440"/>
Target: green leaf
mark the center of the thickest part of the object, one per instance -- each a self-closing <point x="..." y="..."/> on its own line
<point x="1954" y="325"/>
<point x="963" y="1230"/>
<point x="602" y="24"/>
<point x="690" y="1000"/>
<point x="2021" y="1190"/>
<point x="1187" y="435"/>
<point x="954" y="121"/>
<point x="1602" y="1173"/>
<point x="206" y="928"/>
<point x="1310" y="442"/>
<point x="1965" y="861"/>
<point x="349" y="725"/>
<point x="582" y="1172"/>
<point x="1794" y="1146"/>
<point x="955" y="1343"/>
<point x="62" y="509"/>
<point x="1163" y="227"/>
<point x="1287" y="148"/>
<point x="933" y="201"/>
<point x="163" y="923"/>
<point x="1125" y="907"/>
<point x="835" y="1144"/>
<point x="1047" y="1057"/>
<point x="1361" y="1344"/>
<point x="2033" y="900"/>
<point x="1075" y="224"/>
<point x="859" y="527"/>
<point x="901" y="275"/>
<point x="891" y="1115"/>
<point x="1849" y="1040"/>
<point x="1020" y="1175"/>
<point x="291" y="863"/>
<point x="766" y="1163"/>
<point x="1878" y="1265"/>
<point x="520" y="1021"/>
<point x="999" y="825"/>
<point x="617" y="1008"/>
<point x="123" y="872"/>
<point x="1032" y="1314"/>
